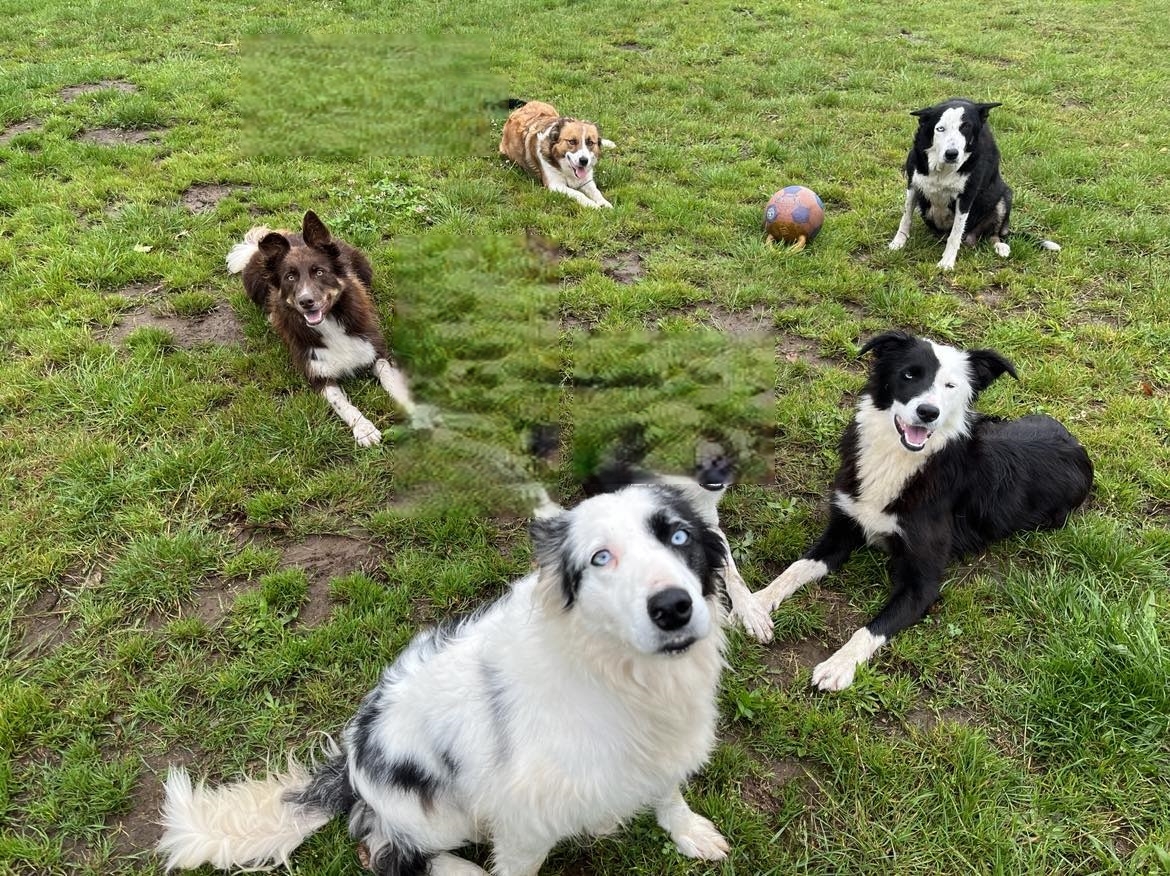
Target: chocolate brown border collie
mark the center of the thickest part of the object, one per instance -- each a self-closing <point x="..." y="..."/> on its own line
<point x="315" y="290"/>
<point x="929" y="479"/>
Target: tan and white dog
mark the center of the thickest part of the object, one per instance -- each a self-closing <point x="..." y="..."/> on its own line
<point x="560" y="151"/>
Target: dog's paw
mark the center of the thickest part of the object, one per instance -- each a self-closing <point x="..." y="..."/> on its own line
<point x="756" y="619"/>
<point x="946" y="263"/>
<point x="425" y="417"/>
<point x="1002" y="249"/>
<point x="899" y="241"/>
<point x="836" y="673"/>
<point x="366" y="434"/>
<point x="605" y="204"/>
<point x="701" y="839"/>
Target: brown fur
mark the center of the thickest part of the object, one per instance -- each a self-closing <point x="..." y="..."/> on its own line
<point x="536" y="131"/>
<point x="340" y="275"/>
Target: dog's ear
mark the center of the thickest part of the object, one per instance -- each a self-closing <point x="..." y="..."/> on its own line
<point x="882" y="344"/>
<point x="921" y="114"/>
<point x="549" y="537"/>
<point x="986" y="366"/>
<point x="554" y="130"/>
<point x="985" y="108"/>
<point x="314" y="232"/>
<point x="273" y="246"/>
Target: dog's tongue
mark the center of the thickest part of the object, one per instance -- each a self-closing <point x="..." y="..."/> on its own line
<point x="581" y="172"/>
<point x="314" y="317"/>
<point x="916" y="435"/>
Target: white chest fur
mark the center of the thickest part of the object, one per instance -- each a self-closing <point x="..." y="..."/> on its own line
<point x="340" y="353"/>
<point x="884" y="467"/>
<point x="940" y="187"/>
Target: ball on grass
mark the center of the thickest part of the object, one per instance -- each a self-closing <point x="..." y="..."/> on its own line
<point x="795" y="215"/>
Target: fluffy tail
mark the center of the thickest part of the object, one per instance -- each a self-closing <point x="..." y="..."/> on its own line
<point x="1050" y="245"/>
<point x="240" y="254"/>
<point x="253" y="824"/>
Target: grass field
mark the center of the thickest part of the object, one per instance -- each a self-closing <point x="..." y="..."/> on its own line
<point x="198" y="565"/>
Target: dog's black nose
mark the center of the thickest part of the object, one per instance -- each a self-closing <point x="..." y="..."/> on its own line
<point x="927" y="413"/>
<point x="583" y="161"/>
<point x="307" y="302"/>
<point x="951" y="154"/>
<point x="670" y="608"/>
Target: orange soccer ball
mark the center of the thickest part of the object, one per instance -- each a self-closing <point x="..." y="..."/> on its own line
<point x="795" y="215"/>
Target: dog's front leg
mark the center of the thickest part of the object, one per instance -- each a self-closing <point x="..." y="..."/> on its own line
<point x="557" y="186"/>
<point x="394" y="382"/>
<point x="694" y="835"/>
<point x="591" y="191"/>
<point x="955" y="238"/>
<point x="903" y="233"/>
<point x="364" y="432"/>
<point x="916" y="581"/>
<point x="518" y="856"/>
<point x="840" y="539"/>
<point x="754" y="616"/>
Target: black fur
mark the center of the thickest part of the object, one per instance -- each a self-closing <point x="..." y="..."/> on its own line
<point x="329" y="789"/>
<point x="985" y="188"/>
<point x="704" y="551"/>
<point x="1005" y="477"/>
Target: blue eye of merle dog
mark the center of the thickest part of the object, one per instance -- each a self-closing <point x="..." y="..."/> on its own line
<point x="679" y="537"/>
<point x="601" y="558"/>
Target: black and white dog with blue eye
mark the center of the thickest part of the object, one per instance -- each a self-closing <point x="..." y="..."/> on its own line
<point x="930" y="480"/>
<point x="585" y="694"/>
<point x="953" y="179"/>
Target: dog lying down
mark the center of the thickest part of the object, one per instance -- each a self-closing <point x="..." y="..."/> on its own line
<point x="583" y="695"/>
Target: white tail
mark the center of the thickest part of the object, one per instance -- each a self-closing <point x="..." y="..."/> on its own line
<point x="1050" y="245"/>
<point x="240" y="254"/>
<point x="243" y="825"/>
<point x="608" y="144"/>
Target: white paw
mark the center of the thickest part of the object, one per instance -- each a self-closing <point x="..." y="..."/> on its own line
<point x="425" y="417"/>
<point x="947" y="263"/>
<point x="366" y="434"/>
<point x="899" y="241"/>
<point x="756" y="619"/>
<point x="605" y="203"/>
<point x="836" y="673"/>
<point x="700" y="839"/>
<point x="1002" y="249"/>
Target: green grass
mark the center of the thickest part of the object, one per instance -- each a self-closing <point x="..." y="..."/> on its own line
<point x="161" y="488"/>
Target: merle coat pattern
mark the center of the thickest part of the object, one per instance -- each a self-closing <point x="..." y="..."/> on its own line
<point x="930" y="480"/>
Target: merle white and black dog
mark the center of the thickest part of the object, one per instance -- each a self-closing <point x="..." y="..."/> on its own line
<point x="581" y="696"/>
<point x="953" y="179"/>
<point x="930" y="480"/>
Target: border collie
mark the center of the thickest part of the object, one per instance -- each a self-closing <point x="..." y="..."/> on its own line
<point x="952" y="177"/>
<point x="583" y="695"/>
<point x="560" y="151"/>
<point x="931" y="480"/>
<point x="315" y="290"/>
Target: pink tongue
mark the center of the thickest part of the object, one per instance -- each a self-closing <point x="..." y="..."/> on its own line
<point x="313" y="318"/>
<point x="581" y="172"/>
<point x="916" y="434"/>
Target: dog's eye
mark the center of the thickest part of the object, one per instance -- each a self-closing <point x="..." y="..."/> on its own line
<point x="319" y="273"/>
<point x="908" y="375"/>
<point x="679" y="537"/>
<point x="601" y="558"/>
<point x="941" y="128"/>
<point x="573" y="142"/>
<point x="291" y="275"/>
<point x="949" y="385"/>
<point x="590" y="143"/>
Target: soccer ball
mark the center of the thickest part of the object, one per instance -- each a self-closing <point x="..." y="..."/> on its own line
<point x="795" y="215"/>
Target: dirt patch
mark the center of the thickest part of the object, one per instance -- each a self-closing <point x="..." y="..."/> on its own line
<point x="219" y="326"/>
<point x="119" y="136"/>
<point x="626" y="268"/>
<point x="17" y="128"/>
<point x="42" y="627"/>
<point x="215" y="597"/>
<point x="793" y="348"/>
<point x="323" y="558"/>
<point x="203" y="198"/>
<point x="762" y="792"/>
<point x="72" y="92"/>
<point x="925" y="720"/>
<point x="140" y="289"/>
<point x="632" y="47"/>
<point x="137" y="829"/>
<point x="992" y="296"/>
<point x="754" y="322"/>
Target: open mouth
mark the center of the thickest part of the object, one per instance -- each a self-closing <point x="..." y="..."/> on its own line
<point x="678" y="646"/>
<point x="913" y="437"/>
<point x="313" y="316"/>
<point x="581" y="172"/>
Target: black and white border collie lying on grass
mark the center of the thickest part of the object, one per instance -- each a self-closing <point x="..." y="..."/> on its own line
<point x="585" y="694"/>
<point x="930" y="480"/>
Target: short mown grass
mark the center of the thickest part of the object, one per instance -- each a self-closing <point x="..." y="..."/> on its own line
<point x="197" y="565"/>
